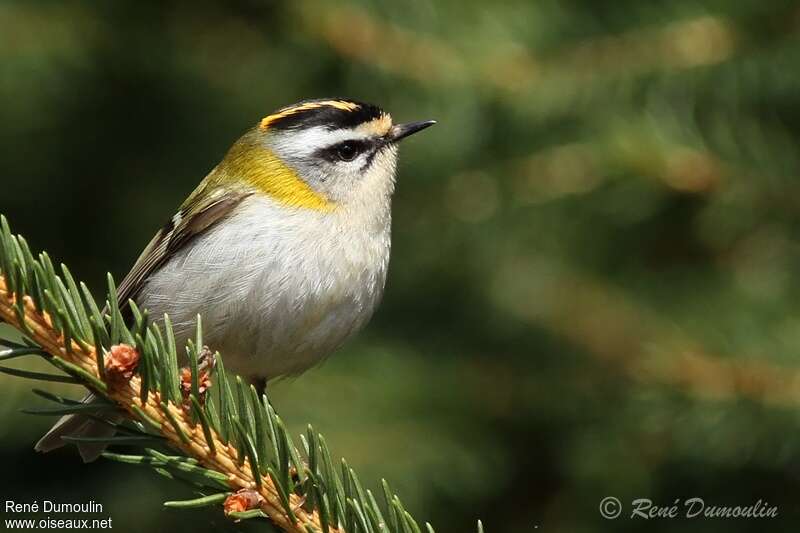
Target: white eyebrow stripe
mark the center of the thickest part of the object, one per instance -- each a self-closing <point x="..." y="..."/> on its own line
<point x="305" y="142"/>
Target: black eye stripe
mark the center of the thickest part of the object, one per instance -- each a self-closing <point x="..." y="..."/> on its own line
<point x="333" y="153"/>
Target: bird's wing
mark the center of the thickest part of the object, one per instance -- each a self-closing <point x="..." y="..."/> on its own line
<point x="200" y="211"/>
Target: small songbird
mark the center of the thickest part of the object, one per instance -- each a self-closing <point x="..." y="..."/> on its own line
<point x="282" y="249"/>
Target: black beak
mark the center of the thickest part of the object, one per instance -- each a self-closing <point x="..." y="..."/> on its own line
<point x="401" y="131"/>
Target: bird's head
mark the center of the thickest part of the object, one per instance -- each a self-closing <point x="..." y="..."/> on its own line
<point x="320" y="154"/>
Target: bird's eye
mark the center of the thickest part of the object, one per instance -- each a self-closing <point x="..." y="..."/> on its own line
<point x="347" y="151"/>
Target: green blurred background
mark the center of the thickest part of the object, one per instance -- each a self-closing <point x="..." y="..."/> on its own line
<point x="592" y="289"/>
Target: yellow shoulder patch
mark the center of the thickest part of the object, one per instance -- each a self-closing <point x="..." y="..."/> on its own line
<point x="338" y="104"/>
<point x="262" y="170"/>
<point x="274" y="178"/>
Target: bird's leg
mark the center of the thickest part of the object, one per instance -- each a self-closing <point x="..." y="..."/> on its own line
<point x="260" y="383"/>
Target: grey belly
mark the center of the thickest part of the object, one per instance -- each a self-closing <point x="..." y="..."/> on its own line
<point x="277" y="292"/>
<point x="264" y="326"/>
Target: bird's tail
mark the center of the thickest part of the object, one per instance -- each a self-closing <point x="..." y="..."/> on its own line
<point x="80" y="426"/>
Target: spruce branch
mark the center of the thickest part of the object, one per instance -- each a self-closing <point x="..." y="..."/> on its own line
<point x="231" y="445"/>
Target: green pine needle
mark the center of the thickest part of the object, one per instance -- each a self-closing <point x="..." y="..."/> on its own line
<point x="41" y="376"/>
<point x="13" y="353"/>
<point x="117" y="439"/>
<point x="204" y="501"/>
<point x="79" y="408"/>
<point x="247" y="515"/>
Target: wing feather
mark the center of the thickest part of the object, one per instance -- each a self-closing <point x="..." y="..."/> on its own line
<point x="200" y="212"/>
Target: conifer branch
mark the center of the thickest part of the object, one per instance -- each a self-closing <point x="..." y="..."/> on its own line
<point x="231" y="443"/>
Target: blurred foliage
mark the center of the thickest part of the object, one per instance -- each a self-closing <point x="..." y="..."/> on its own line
<point x="591" y="289"/>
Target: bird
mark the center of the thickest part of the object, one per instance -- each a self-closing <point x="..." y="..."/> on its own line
<point x="282" y="249"/>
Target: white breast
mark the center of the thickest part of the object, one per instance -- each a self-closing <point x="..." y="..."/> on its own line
<point x="278" y="288"/>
